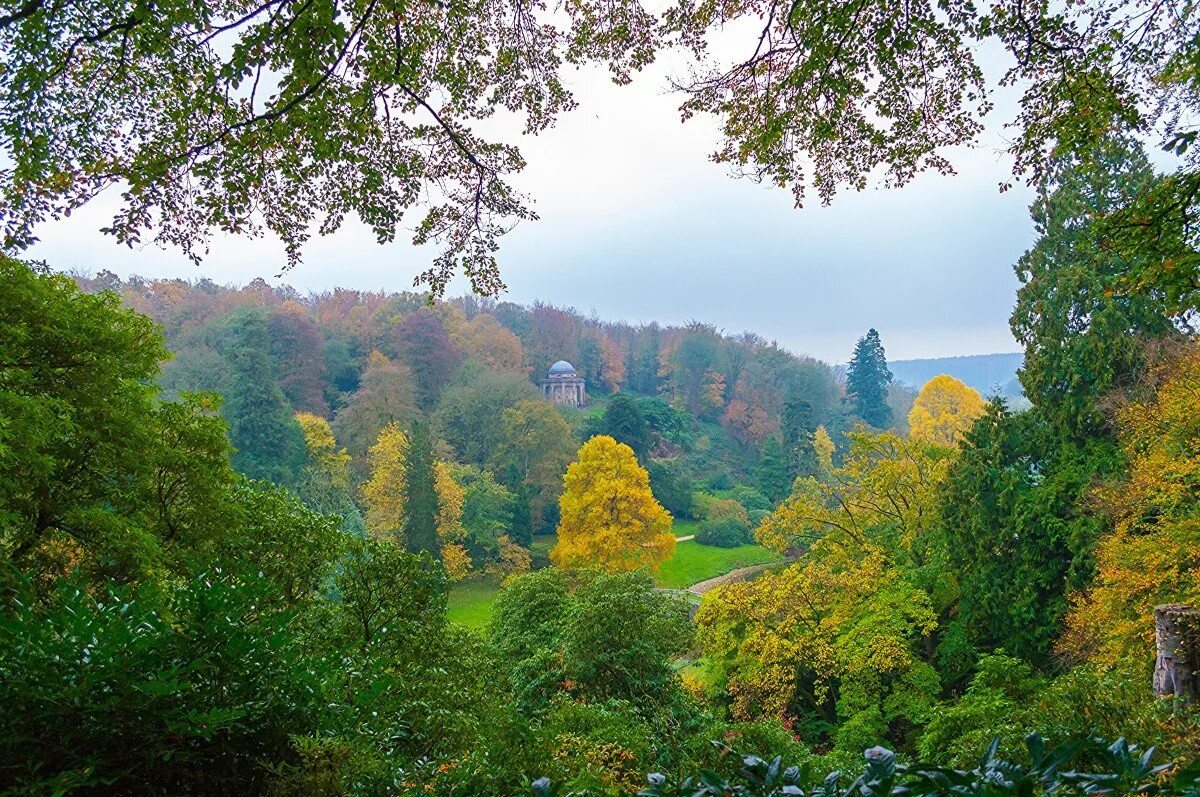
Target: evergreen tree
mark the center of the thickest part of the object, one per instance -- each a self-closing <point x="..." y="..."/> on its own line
<point x="1083" y="328"/>
<point x="268" y="442"/>
<point x="867" y="382"/>
<point x="421" y="508"/>
<point x="774" y="472"/>
<point x="798" y="425"/>
<point x="624" y="421"/>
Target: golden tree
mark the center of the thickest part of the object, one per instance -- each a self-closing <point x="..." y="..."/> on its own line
<point x="385" y="492"/>
<point x="1152" y="556"/>
<point x="323" y="452"/>
<point x="609" y="517"/>
<point x="944" y="410"/>
<point x="842" y="631"/>
<point x="451" y="533"/>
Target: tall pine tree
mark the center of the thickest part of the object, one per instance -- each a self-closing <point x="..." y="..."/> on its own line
<point x="774" y="472"/>
<point x="867" y="382"/>
<point x="798" y="425"/>
<point x="421" y="510"/>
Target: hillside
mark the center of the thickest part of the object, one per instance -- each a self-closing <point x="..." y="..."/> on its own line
<point x="987" y="373"/>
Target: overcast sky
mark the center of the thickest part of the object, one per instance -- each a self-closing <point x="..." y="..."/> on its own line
<point x="637" y="225"/>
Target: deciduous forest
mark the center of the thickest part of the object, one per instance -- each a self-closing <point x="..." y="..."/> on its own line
<point x="342" y="542"/>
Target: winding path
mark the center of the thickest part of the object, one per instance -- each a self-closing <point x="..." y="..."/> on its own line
<point x="741" y="574"/>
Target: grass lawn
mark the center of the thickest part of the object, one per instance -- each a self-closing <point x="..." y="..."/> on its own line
<point x="471" y="602"/>
<point x="683" y="528"/>
<point x="693" y="562"/>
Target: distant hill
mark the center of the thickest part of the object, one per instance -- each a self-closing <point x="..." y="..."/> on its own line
<point x="987" y="373"/>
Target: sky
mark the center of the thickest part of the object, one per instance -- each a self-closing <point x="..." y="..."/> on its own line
<point x="636" y="224"/>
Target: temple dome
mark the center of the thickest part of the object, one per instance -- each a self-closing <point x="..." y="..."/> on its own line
<point x="562" y="368"/>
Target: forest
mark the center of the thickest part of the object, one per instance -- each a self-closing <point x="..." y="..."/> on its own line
<point x="343" y="542"/>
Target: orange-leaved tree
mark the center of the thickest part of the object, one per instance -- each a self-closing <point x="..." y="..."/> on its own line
<point x="609" y="518"/>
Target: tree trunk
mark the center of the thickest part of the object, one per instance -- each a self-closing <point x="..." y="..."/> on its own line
<point x="1177" y="663"/>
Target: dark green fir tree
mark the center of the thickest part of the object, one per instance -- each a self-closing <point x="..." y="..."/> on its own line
<point x="867" y="382"/>
<point x="773" y="472"/>
<point x="420" y="516"/>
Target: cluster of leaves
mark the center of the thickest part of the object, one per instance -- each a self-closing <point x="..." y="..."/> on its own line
<point x="1116" y="768"/>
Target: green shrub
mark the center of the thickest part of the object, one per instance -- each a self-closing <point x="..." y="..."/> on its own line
<point x="725" y="532"/>
<point x="125" y="692"/>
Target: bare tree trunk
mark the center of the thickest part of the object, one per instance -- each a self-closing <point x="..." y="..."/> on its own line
<point x="1177" y="663"/>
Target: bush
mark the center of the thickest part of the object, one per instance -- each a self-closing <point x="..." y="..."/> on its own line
<point x="752" y="499"/>
<point x="592" y="635"/>
<point x="726" y="532"/>
<point x="673" y="488"/>
<point x="106" y="693"/>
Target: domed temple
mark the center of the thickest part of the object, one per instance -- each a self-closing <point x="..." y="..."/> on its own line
<point x="563" y="386"/>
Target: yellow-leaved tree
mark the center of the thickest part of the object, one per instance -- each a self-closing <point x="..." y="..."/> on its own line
<point x="451" y="533"/>
<point x="1152" y="556"/>
<point x="843" y="634"/>
<point x="384" y="493"/>
<point x="944" y="410"/>
<point x="323" y="452"/>
<point x="609" y="517"/>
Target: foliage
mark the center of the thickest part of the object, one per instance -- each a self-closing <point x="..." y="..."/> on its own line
<point x="470" y="413"/>
<point x="386" y="492"/>
<point x="385" y="396"/>
<point x="421" y="506"/>
<point x="388" y="598"/>
<point x="867" y="379"/>
<point x="268" y="442"/>
<point x="1028" y="542"/>
<point x="944" y="410"/>
<point x="1152" y="555"/>
<point x="623" y="421"/>
<point x="1083" y="329"/>
<point x="95" y="472"/>
<point x="672" y="488"/>
<point x="774" y="472"/>
<point x="1122" y="768"/>
<point x="594" y="636"/>
<point x="609" y="516"/>
<point x="117" y="691"/>
<point x="423" y="343"/>
<point x="724" y="532"/>
<point x="1008" y="700"/>
<point x="324" y="484"/>
<point x="287" y="543"/>
<point x="535" y="448"/>
<point x="840" y="638"/>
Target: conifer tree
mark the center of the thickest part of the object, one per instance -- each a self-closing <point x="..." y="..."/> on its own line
<point x="421" y="509"/>
<point x="867" y="381"/>
<point x="624" y="421"/>
<point x="774" y="472"/>
<point x="798" y="425"/>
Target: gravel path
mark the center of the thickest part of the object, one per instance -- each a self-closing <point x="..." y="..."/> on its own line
<point x="741" y="574"/>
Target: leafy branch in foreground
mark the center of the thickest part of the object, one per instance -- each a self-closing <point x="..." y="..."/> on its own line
<point x="240" y="115"/>
<point x="1116" y="768"/>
